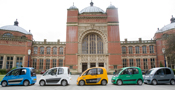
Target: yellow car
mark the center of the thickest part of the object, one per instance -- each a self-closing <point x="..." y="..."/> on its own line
<point x="95" y="75"/>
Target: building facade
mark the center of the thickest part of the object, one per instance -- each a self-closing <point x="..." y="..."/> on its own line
<point x="92" y="40"/>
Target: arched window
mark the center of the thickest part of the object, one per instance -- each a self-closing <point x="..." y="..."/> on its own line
<point x="48" y="50"/>
<point x="54" y="50"/>
<point x="92" y="44"/>
<point x="35" y="50"/>
<point x="61" y="50"/>
<point x="123" y="50"/>
<point x="7" y="35"/>
<point x="41" y="50"/>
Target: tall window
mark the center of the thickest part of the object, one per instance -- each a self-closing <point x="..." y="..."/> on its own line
<point x="145" y="63"/>
<point x="131" y="62"/>
<point x="7" y="35"/>
<point x="130" y="50"/>
<point x="151" y="49"/>
<point x="61" y="50"/>
<point x="144" y="49"/>
<point x="41" y="64"/>
<point x="60" y="62"/>
<point x="48" y="50"/>
<point x="137" y="49"/>
<point x="138" y="62"/>
<point x="1" y="61"/>
<point x="9" y="62"/>
<point x="34" y="63"/>
<point x="54" y="63"/>
<point x="152" y="63"/>
<point x="54" y="50"/>
<point x="124" y="63"/>
<point x="35" y="50"/>
<point x="41" y="50"/>
<point x="92" y="44"/>
<point x="123" y="50"/>
<point x="47" y="63"/>
<point x="19" y="62"/>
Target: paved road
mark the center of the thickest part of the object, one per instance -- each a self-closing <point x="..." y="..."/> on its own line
<point x="73" y="86"/>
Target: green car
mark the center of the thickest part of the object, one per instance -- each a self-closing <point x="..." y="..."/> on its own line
<point x="128" y="75"/>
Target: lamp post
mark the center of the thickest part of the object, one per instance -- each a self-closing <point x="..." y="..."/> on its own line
<point x="29" y="52"/>
<point x="163" y="51"/>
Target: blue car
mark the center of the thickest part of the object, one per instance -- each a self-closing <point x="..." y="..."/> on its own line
<point x="20" y="76"/>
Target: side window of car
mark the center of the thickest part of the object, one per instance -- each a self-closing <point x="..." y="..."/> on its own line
<point x="167" y="71"/>
<point x="52" y="71"/>
<point x="60" y="71"/>
<point x="23" y="72"/>
<point x="124" y="72"/>
<point x="135" y="71"/>
<point x="99" y="71"/>
<point x="130" y="71"/>
<point x="92" y="72"/>
<point x="15" y="72"/>
<point x="160" y="72"/>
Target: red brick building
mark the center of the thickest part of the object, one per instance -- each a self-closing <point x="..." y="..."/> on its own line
<point x="92" y="40"/>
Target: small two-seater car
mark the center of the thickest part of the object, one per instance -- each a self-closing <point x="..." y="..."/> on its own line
<point x="56" y="75"/>
<point x="128" y="75"/>
<point x="20" y="76"/>
<point x="91" y="76"/>
<point x="159" y="75"/>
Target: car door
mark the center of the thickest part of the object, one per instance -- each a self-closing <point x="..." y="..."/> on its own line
<point x="127" y="76"/>
<point x="100" y="75"/>
<point x="91" y="76"/>
<point x="23" y="75"/>
<point x="14" y="77"/>
<point x="135" y="75"/>
<point x="60" y="75"/>
<point x="51" y="76"/>
<point x="168" y="75"/>
<point x="160" y="76"/>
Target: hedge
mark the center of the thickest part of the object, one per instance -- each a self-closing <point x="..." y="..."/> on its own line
<point x="3" y="71"/>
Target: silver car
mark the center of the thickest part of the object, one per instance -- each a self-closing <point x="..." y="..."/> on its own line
<point x="159" y="75"/>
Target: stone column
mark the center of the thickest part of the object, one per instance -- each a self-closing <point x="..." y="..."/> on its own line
<point x="23" y="60"/>
<point x="14" y="61"/>
<point x="4" y="62"/>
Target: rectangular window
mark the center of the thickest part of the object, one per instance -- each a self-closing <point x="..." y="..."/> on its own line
<point x="41" y="64"/>
<point x="47" y="63"/>
<point x="131" y="62"/>
<point x="71" y="67"/>
<point x="41" y="50"/>
<point x="130" y="50"/>
<point x="144" y="49"/>
<point x="145" y="63"/>
<point x="60" y="62"/>
<point x="19" y="62"/>
<point x="54" y="63"/>
<point x="115" y="66"/>
<point x="137" y="49"/>
<point x="34" y="63"/>
<point x="1" y="61"/>
<point x="152" y="63"/>
<point x="123" y="50"/>
<point x="9" y="62"/>
<point x="35" y="50"/>
<point x="55" y="50"/>
<point x="61" y="50"/>
<point x="124" y="63"/>
<point x="151" y="49"/>
<point x="138" y="62"/>
<point x="48" y="50"/>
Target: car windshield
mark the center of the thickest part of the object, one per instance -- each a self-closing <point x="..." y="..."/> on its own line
<point x="117" y="71"/>
<point x="149" y="72"/>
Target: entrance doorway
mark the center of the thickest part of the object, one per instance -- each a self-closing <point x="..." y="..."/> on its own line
<point x="92" y="64"/>
<point x="101" y="64"/>
<point x="84" y="66"/>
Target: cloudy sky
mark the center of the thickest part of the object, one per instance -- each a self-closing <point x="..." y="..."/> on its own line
<point x="47" y="18"/>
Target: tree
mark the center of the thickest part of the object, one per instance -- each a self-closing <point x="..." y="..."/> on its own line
<point x="161" y="65"/>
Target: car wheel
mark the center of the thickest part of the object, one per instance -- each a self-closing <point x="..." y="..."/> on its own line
<point x="64" y="83"/>
<point x="4" y="84"/>
<point x="139" y="82"/>
<point x="154" y="82"/>
<point x="26" y="83"/>
<point x="172" y="82"/>
<point x="119" y="82"/>
<point x="81" y="83"/>
<point x="42" y="83"/>
<point x="103" y="82"/>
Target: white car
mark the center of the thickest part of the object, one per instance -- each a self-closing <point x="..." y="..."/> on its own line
<point x="56" y="75"/>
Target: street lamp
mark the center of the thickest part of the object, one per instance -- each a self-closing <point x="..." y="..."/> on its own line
<point x="29" y="52"/>
<point x="163" y="51"/>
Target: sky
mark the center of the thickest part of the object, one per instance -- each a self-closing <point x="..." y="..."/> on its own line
<point x="47" y="18"/>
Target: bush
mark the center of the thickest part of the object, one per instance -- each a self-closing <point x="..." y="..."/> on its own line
<point x="161" y="65"/>
<point x="174" y="71"/>
<point x="13" y="68"/>
<point x="3" y="71"/>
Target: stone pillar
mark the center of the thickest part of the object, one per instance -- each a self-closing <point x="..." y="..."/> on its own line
<point x="37" y="64"/>
<point x="23" y="61"/>
<point x="88" y="64"/>
<point x="97" y="64"/>
<point x="14" y="61"/>
<point x="4" y="62"/>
